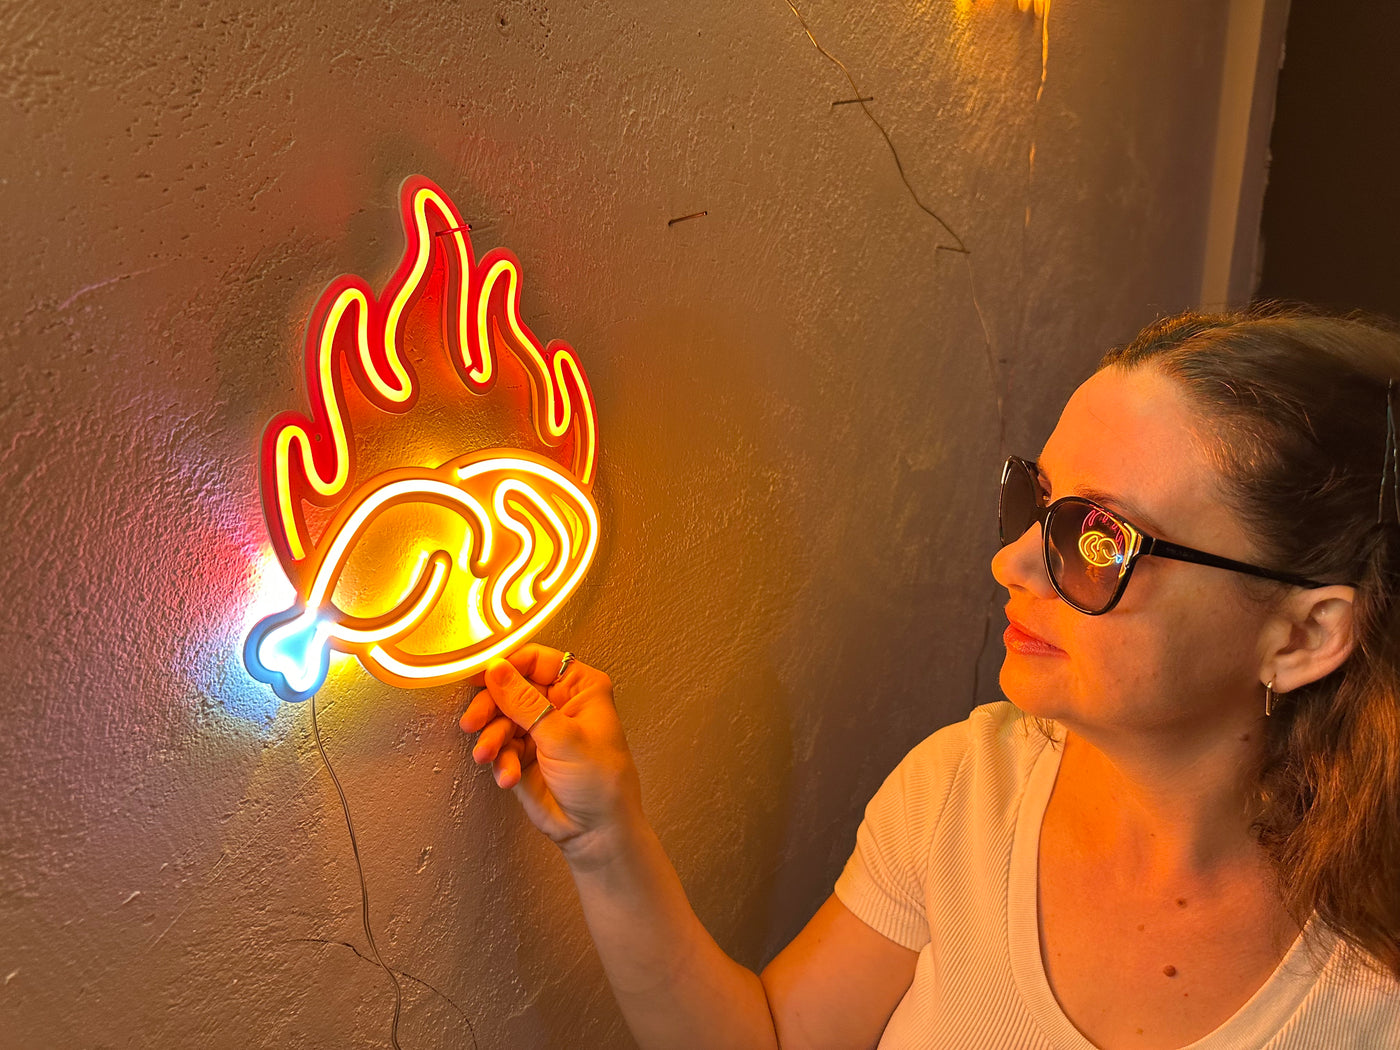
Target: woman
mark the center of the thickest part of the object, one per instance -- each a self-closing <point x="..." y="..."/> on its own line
<point x="1200" y="838"/>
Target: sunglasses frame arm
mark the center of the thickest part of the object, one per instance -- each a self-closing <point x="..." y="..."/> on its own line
<point x="1164" y="549"/>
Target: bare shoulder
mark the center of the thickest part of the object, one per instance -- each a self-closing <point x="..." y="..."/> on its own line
<point x="837" y="983"/>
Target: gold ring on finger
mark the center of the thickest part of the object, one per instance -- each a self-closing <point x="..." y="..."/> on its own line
<point x="548" y="707"/>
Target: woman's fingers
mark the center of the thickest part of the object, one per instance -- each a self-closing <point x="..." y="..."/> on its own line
<point x="501" y="713"/>
<point x="479" y="712"/>
<point x="492" y="739"/>
<point x="506" y="766"/>
<point x="517" y="699"/>
<point x="555" y="743"/>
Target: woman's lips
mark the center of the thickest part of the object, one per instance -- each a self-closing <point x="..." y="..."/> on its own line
<point x="1018" y="640"/>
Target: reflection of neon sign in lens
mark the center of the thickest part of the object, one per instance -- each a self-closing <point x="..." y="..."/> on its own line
<point x="527" y="522"/>
<point x="1098" y="548"/>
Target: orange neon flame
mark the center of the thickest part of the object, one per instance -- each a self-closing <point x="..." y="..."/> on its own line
<point x="530" y="523"/>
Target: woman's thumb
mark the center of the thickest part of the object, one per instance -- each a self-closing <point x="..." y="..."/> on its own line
<point x="517" y="699"/>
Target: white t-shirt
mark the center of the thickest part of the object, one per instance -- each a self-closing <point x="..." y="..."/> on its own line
<point x="945" y="864"/>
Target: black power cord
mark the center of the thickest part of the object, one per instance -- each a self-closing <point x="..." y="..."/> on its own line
<point x="364" y="890"/>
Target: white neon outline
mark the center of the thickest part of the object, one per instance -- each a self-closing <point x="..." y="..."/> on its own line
<point x="405" y="623"/>
<point x="561" y="530"/>
<point x="516" y="570"/>
<point x="355" y="524"/>
<point x="321" y="616"/>
<point x="427" y="673"/>
<point x="475" y="603"/>
<point x="470" y="664"/>
<point x="303" y="675"/>
<point x="507" y="576"/>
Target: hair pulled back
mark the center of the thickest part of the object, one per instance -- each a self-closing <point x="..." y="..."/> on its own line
<point x="1294" y="406"/>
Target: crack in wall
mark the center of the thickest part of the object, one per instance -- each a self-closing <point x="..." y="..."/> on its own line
<point x="862" y="99"/>
<point x="994" y="372"/>
<point x="471" y="1029"/>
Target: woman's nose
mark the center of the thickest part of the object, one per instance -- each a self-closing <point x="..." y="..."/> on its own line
<point x="1021" y="564"/>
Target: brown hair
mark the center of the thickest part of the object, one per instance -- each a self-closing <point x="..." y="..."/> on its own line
<point x="1295" y="409"/>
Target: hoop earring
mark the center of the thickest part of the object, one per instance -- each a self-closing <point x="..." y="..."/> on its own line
<point x="1269" y="699"/>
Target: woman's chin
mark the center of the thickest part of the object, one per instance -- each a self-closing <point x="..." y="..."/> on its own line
<point x="1036" y="695"/>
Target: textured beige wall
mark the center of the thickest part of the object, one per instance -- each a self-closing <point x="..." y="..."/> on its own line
<point x="799" y="448"/>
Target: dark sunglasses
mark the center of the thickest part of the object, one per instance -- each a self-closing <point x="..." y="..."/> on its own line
<point x="1089" y="550"/>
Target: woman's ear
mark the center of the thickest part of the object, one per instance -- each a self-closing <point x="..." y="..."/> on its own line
<point x="1319" y="636"/>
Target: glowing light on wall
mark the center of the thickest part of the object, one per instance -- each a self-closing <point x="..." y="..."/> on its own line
<point x="528" y="523"/>
<point x="963" y="7"/>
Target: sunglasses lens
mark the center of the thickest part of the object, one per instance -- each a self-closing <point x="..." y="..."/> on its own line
<point x="1086" y="553"/>
<point x="1016" y="512"/>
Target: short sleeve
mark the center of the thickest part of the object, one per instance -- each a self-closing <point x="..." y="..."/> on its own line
<point x="884" y="881"/>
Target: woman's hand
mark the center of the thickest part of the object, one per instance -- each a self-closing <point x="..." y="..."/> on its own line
<point x="574" y="775"/>
<point x="572" y="772"/>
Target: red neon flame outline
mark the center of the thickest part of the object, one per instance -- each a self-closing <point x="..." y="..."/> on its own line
<point x="311" y="459"/>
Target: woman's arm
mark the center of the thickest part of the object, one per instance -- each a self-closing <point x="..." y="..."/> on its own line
<point x="837" y="983"/>
<point x="834" y="986"/>
<point x="676" y="987"/>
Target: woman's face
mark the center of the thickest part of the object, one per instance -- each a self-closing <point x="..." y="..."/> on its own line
<point x="1183" y="647"/>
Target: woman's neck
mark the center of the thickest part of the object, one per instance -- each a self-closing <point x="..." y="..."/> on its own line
<point x="1170" y="814"/>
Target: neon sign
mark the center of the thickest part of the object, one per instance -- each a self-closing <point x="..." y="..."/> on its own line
<point x="525" y="520"/>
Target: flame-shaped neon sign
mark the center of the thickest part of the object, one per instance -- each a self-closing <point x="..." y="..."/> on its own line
<point x="528" y="522"/>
